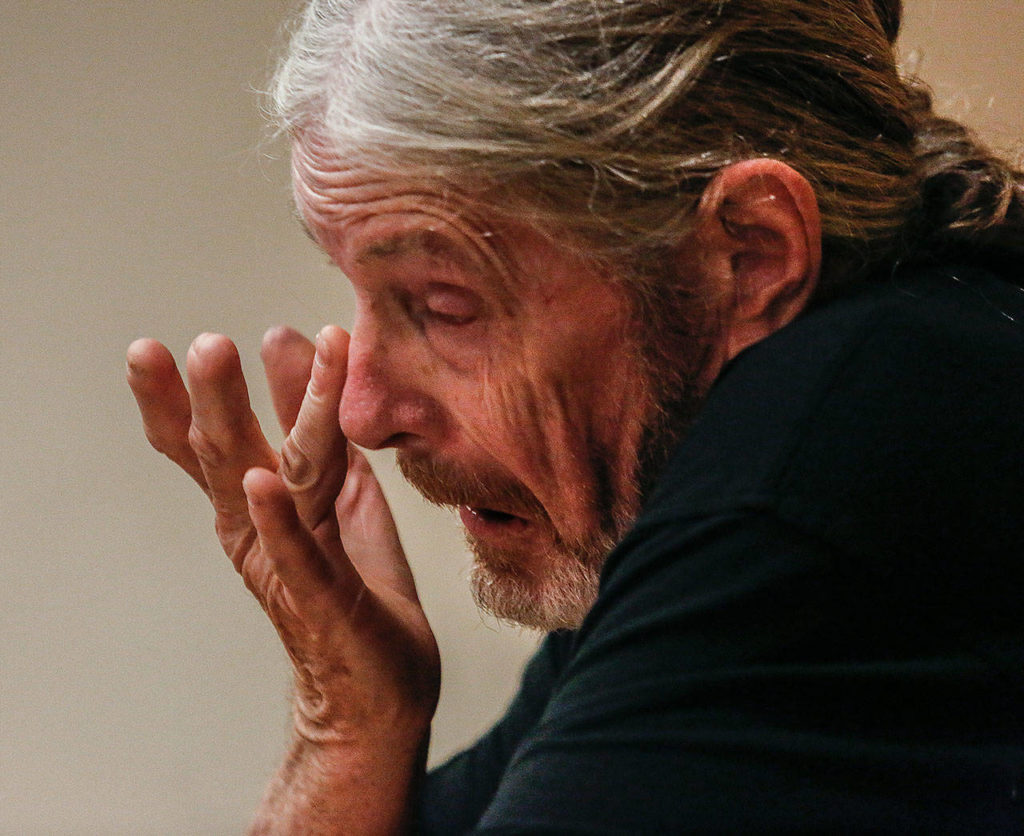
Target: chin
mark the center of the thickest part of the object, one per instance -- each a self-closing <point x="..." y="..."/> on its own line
<point x="555" y="594"/>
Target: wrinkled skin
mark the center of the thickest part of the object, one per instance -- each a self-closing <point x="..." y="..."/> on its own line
<point x="497" y="367"/>
<point x="502" y="367"/>
<point x="506" y="373"/>
<point x="311" y="535"/>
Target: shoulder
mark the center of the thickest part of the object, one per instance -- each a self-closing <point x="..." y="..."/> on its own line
<point x="759" y="635"/>
<point x="857" y="473"/>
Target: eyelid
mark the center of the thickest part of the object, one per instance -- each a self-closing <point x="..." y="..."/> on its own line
<point x="450" y="304"/>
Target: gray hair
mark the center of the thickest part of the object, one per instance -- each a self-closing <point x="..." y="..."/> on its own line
<point x="607" y="118"/>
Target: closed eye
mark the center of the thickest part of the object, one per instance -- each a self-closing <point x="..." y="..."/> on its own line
<point x="451" y="305"/>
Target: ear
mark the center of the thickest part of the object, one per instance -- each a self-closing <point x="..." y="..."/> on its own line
<point x="758" y="241"/>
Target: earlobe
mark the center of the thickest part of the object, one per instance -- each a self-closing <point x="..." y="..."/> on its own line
<point x="761" y="230"/>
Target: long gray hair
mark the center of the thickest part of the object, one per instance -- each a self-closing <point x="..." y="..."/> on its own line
<point x="607" y="118"/>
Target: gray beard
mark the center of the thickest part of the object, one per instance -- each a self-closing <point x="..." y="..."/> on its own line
<point x="560" y="601"/>
<point x="557" y="600"/>
<point x="562" y="597"/>
<point x="569" y="587"/>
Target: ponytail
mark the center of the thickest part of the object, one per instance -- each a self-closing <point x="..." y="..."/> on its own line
<point x="972" y="202"/>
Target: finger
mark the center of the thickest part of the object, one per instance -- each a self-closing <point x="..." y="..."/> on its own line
<point x="314" y="584"/>
<point x="368" y="530"/>
<point x="287" y="359"/>
<point x="225" y="434"/>
<point x="313" y="456"/>
<point x="163" y="403"/>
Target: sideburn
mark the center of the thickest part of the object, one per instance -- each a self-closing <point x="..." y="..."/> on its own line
<point x="676" y="327"/>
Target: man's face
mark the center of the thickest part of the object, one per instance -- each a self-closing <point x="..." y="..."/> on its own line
<point x="504" y="370"/>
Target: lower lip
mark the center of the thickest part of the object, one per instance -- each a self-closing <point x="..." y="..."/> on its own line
<point x="484" y="526"/>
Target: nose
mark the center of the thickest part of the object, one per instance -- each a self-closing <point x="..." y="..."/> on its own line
<point x="382" y="405"/>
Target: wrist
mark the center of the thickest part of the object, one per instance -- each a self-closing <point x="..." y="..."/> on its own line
<point x="340" y="785"/>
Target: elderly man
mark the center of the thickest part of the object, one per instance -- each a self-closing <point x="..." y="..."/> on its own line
<point x="703" y="322"/>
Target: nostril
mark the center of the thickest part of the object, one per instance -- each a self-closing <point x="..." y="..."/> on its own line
<point x="397" y="440"/>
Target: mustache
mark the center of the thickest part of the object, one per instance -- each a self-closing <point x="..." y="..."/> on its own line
<point x="450" y="485"/>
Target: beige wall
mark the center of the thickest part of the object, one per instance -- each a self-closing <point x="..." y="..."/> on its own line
<point x="141" y="691"/>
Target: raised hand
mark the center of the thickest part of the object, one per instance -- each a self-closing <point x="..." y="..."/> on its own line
<point x="310" y="533"/>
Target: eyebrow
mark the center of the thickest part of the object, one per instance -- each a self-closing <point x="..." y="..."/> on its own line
<point x="437" y="245"/>
<point x="421" y="240"/>
<point x="398" y="244"/>
<point x="425" y="240"/>
<point x="394" y="245"/>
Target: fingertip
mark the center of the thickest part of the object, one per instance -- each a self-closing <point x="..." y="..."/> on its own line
<point x="140" y="347"/>
<point x="211" y="356"/>
<point x="279" y="337"/>
<point x="258" y="484"/>
<point x="149" y="364"/>
<point x="358" y="475"/>
<point x="331" y="348"/>
<point x="134" y="363"/>
<point x="213" y="346"/>
<point x="143" y="353"/>
<point x="263" y="493"/>
<point x="271" y="507"/>
<point x="335" y="335"/>
<point x="358" y="464"/>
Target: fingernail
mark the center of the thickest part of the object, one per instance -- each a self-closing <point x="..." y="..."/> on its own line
<point x="323" y="351"/>
<point x="202" y="343"/>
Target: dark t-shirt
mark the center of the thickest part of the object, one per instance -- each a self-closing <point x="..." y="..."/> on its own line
<point x="817" y="623"/>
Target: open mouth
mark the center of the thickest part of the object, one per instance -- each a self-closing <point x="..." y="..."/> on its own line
<point x="492" y="516"/>
<point x="487" y="523"/>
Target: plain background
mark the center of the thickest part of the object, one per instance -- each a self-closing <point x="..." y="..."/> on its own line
<point x="142" y="692"/>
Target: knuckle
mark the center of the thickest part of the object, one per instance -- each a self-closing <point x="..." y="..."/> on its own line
<point x="175" y="447"/>
<point x="238" y="541"/>
<point x="159" y="441"/>
<point x="297" y="469"/>
<point x="210" y="451"/>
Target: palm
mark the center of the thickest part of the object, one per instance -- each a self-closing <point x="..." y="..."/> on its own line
<point x="308" y="529"/>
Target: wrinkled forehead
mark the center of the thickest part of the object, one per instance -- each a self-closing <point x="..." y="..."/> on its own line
<point x="328" y="181"/>
<point x="365" y="214"/>
<point x="482" y="227"/>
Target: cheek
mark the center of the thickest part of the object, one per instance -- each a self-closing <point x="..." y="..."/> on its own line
<point x="532" y="409"/>
<point x="507" y="414"/>
<point x="540" y="424"/>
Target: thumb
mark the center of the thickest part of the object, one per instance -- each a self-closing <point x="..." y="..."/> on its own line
<point x="368" y="530"/>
